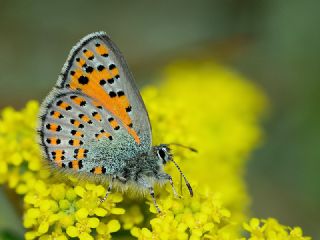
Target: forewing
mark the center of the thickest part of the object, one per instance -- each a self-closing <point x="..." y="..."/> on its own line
<point x="96" y="68"/>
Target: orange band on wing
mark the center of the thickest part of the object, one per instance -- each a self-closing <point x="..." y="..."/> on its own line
<point x="102" y="50"/>
<point x="97" y="170"/>
<point x="81" y="62"/>
<point x="58" y="155"/>
<point x="89" y="84"/>
<point x="75" y="164"/>
<point x="99" y="75"/>
<point x="78" y="100"/>
<point x="56" y="114"/>
<point x="114" y="72"/>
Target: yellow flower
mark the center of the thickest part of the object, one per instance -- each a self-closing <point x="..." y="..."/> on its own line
<point x="76" y="209"/>
<point x="19" y="152"/>
<point x="56" y="234"/>
<point x="90" y="195"/>
<point x="41" y="218"/>
<point x="202" y="105"/>
<point x="217" y="111"/>
<point x="200" y="216"/>
<point x="83" y="225"/>
<point x="270" y="229"/>
<point x="104" y="230"/>
<point x="132" y="217"/>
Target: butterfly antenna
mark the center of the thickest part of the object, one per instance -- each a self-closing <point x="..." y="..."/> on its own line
<point x="184" y="177"/>
<point x="183" y="146"/>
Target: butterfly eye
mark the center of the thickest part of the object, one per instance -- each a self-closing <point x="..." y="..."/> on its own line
<point x="162" y="154"/>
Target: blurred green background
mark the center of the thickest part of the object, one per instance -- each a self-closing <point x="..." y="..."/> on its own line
<point x="275" y="43"/>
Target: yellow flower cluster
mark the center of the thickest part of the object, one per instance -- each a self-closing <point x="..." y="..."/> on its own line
<point x="217" y="111"/>
<point x="190" y="218"/>
<point x="53" y="209"/>
<point x="202" y="105"/>
<point x="270" y="229"/>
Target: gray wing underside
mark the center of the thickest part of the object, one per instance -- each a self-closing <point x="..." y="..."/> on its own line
<point x="125" y="81"/>
<point x="69" y="123"/>
<point x="140" y="115"/>
<point x="81" y="135"/>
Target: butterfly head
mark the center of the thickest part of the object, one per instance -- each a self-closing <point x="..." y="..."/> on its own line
<point x="163" y="153"/>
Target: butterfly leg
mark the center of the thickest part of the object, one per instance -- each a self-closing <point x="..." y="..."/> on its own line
<point x="154" y="199"/>
<point x="109" y="189"/>
<point x="143" y="183"/>
<point x="173" y="188"/>
<point x="169" y="178"/>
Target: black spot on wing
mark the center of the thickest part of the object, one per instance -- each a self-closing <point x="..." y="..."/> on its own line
<point x="83" y="80"/>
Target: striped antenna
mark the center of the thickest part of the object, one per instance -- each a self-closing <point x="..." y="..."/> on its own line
<point x="183" y="146"/>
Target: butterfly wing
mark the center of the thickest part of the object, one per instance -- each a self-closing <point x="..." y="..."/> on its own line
<point x="95" y="98"/>
<point x="97" y="68"/>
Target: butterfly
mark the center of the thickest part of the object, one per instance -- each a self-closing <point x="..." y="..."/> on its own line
<point x="94" y="122"/>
